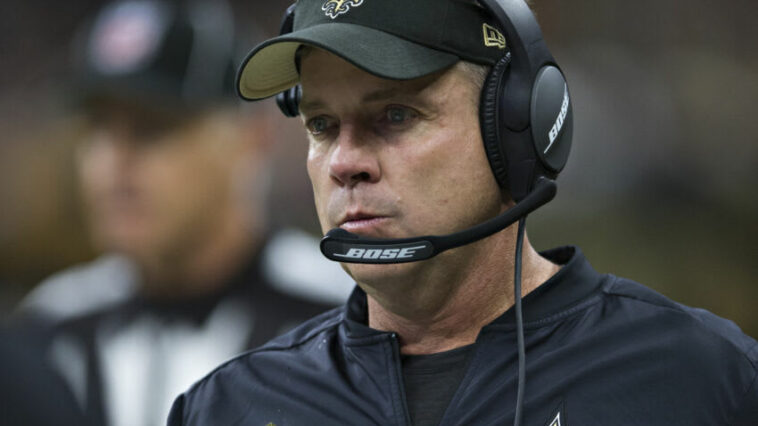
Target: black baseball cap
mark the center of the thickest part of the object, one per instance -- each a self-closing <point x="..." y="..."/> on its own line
<point x="160" y="54"/>
<point x="393" y="39"/>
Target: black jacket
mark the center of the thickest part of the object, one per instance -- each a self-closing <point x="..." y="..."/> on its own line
<point x="32" y="394"/>
<point x="601" y="350"/>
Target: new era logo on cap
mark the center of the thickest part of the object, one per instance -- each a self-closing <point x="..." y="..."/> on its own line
<point x="493" y="37"/>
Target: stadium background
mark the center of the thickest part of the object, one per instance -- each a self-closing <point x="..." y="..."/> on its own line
<point x="660" y="186"/>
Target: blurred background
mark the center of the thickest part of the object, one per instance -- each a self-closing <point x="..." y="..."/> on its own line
<point x="657" y="188"/>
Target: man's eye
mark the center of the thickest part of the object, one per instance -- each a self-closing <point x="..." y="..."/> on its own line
<point x="317" y="125"/>
<point x="399" y="115"/>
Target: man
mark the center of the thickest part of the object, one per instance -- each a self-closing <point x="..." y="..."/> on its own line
<point x="399" y="117"/>
<point x="175" y="183"/>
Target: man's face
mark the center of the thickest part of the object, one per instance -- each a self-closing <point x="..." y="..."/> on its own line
<point x="394" y="159"/>
<point x="152" y="186"/>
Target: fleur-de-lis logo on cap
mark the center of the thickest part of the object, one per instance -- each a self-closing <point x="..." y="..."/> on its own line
<point x="334" y="8"/>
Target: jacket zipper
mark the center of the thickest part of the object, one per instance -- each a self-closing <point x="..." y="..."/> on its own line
<point x="397" y="364"/>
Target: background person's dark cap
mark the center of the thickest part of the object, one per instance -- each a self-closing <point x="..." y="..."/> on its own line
<point x="394" y="39"/>
<point x="162" y="54"/>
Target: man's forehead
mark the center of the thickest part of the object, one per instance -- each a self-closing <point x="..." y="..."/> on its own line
<point x="325" y="74"/>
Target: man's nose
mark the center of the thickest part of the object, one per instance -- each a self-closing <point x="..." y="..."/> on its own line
<point x="353" y="160"/>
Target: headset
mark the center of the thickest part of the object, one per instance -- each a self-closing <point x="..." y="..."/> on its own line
<point x="526" y="120"/>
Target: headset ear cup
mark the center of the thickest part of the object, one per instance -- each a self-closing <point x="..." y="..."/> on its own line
<point x="296" y="94"/>
<point x="551" y="119"/>
<point x="281" y="102"/>
<point x="488" y="120"/>
<point x="288" y="101"/>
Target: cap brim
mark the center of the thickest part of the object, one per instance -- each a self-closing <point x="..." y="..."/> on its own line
<point x="270" y="67"/>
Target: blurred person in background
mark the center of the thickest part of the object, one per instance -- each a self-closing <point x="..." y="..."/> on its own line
<point x="174" y="177"/>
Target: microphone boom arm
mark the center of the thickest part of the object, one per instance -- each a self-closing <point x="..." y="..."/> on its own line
<point x="343" y="246"/>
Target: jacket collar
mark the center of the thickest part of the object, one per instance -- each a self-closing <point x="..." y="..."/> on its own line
<point x="572" y="284"/>
<point x="356" y="315"/>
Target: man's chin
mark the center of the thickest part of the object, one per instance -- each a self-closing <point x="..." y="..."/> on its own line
<point x="377" y="276"/>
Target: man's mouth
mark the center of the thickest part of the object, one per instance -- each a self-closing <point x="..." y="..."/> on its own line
<point x="363" y="223"/>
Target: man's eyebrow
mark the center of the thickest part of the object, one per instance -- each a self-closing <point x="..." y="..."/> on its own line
<point x="310" y="105"/>
<point x="375" y="96"/>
